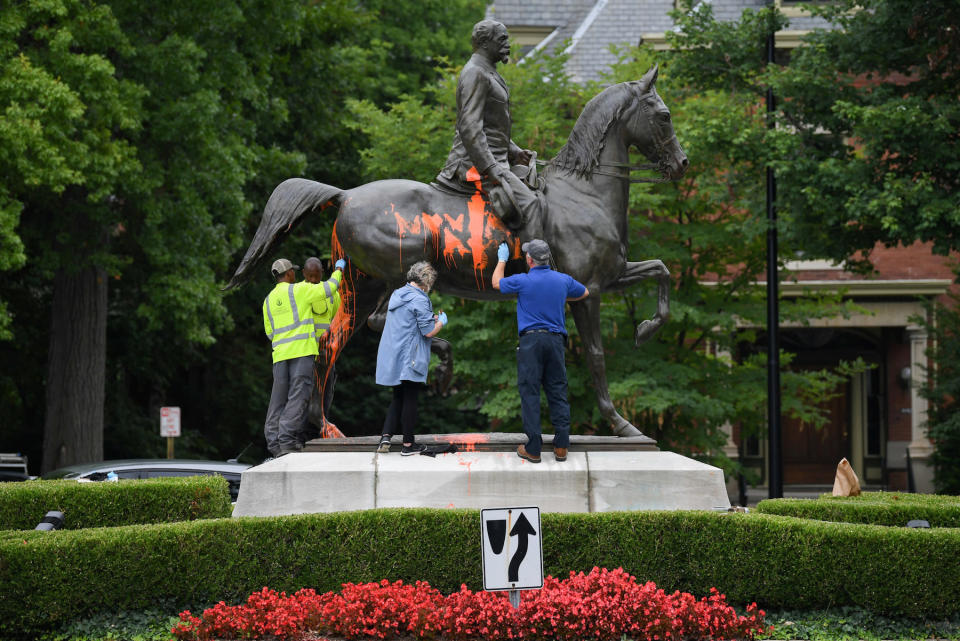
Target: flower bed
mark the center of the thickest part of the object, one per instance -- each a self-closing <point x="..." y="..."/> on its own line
<point x="605" y="605"/>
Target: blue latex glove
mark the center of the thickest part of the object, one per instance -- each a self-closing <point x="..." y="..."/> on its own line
<point x="340" y="264"/>
<point x="443" y="318"/>
<point x="503" y="253"/>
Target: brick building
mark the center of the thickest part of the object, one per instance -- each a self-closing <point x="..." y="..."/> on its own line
<point x="878" y="422"/>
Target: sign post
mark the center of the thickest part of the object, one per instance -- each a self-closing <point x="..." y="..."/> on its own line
<point x="170" y="426"/>
<point x="512" y="550"/>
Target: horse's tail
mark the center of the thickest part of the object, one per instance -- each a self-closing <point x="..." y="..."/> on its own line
<point x="289" y="202"/>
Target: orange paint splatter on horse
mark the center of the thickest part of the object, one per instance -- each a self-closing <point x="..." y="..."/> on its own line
<point x="432" y="223"/>
<point x="334" y="339"/>
<point x="455" y="223"/>
<point x="452" y="248"/>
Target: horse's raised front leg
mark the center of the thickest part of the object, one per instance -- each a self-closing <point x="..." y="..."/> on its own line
<point x="586" y="314"/>
<point x="643" y="270"/>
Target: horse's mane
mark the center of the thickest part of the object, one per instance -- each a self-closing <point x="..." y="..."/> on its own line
<point x="581" y="154"/>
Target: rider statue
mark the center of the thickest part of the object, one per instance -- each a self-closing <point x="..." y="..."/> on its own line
<point x="482" y="149"/>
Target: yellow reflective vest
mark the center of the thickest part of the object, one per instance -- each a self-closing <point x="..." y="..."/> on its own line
<point x="288" y="318"/>
<point x="324" y="312"/>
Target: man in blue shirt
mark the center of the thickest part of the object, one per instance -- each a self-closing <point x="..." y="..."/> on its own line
<point x="541" y="298"/>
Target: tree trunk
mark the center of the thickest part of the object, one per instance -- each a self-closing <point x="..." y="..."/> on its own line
<point x="73" y="428"/>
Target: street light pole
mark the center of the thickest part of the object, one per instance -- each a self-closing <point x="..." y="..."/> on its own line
<point x="775" y="450"/>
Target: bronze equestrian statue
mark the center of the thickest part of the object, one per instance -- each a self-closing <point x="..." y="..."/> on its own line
<point x="386" y="226"/>
<point x="482" y="148"/>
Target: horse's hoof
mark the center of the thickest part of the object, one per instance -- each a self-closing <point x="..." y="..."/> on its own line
<point x="645" y="331"/>
<point x="331" y="431"/>
<point x="626" y="429"/>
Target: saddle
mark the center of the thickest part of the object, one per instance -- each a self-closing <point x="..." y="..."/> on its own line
<point x="502" y="200"/>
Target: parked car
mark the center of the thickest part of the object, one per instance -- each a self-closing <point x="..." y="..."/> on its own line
<point x="153" y="468"/>
<point x="13" y="467"/>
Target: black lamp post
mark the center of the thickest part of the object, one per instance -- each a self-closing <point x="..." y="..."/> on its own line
<point x="775" y="451"/>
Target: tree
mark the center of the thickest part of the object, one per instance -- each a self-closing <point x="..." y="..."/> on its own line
<point x="943" y="392"/>
<point x="62" y="157"/>
<point x="161" y="143"/>
<point x="140" y="144"/>
<point x="886" y="86"/>
<point x="866" y="144"/>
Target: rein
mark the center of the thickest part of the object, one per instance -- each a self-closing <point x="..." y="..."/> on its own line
<point x="649" y="166"/>
<point x="625" y="165"/>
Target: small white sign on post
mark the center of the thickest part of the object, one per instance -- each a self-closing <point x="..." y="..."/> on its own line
<point x="512" y="549"/>
<point x="169" y="421"/>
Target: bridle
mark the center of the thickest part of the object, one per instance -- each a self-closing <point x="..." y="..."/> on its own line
<point x="659" y="143"/>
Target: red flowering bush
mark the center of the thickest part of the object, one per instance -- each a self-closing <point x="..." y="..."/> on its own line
<point x="383" y="610"/>
<point x="266" y="613"/>
<point x="604" y="605"/>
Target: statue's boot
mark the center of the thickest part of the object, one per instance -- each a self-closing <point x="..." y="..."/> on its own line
<point x="521" y="210"/>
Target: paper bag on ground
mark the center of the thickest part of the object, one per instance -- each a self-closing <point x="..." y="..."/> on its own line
<point x="846" y="482"/>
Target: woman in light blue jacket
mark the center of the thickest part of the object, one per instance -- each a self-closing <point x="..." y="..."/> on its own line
<point x="404" y="353"/>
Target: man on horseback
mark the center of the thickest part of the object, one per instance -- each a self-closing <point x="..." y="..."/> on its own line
<point x="482" y="150"/>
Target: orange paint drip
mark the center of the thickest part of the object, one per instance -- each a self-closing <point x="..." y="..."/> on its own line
<point x="467" y="464"/>
<point x="333" y="340"/>
<point x="476" y="208"/>
<point x="403" y="227"/>
<point x="329" y="429"/>
<point x="452" y="248"/>
<point x="431" y="224"/>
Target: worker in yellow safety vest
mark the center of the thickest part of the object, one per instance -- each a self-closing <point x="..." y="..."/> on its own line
<point x="289" y="324"/>
<point x="323" y="315"/>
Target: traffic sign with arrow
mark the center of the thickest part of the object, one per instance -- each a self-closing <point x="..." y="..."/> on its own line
<point x="512" y="548"/>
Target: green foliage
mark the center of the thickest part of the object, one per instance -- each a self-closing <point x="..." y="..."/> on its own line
<point x="857" y="624"/>
<point x="151" y="624"/>
<point x="146" y="140"/>
<point x="892" y="509"/>
<point x="943" y="417"/>
<point x="56" y="58"/>
<point x="866" y="144"/>
<point x="702" y="371"/>
<point x="51" y="577"/>
<point x="128" y="502"/>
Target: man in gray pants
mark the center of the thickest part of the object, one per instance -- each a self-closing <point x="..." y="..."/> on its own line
<point x="288" y="323"/>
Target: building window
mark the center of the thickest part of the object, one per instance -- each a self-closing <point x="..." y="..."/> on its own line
<point x="798" y="8"/>
<point x="527" y="38"/>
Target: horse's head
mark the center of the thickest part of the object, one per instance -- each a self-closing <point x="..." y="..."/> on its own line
<point x="629" y="114"/>
<point x="647" y="125"/>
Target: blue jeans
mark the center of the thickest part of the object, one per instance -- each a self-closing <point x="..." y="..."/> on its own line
<point x="540" y="362"/>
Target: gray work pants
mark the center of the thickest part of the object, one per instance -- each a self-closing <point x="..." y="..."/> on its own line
<point x="292" y="385"/>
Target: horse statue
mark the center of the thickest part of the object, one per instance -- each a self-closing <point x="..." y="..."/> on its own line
<point x="387" y="225"/>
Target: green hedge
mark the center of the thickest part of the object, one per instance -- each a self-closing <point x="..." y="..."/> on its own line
<point x="876" y="508"/>
<point x="105" y="504"/>
<point x="780" y="562"/>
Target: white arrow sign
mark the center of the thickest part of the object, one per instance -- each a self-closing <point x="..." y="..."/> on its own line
<point x="512" y="548"/>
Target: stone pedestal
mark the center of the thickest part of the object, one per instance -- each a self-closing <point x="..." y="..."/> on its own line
<point x="594" y="478"/>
